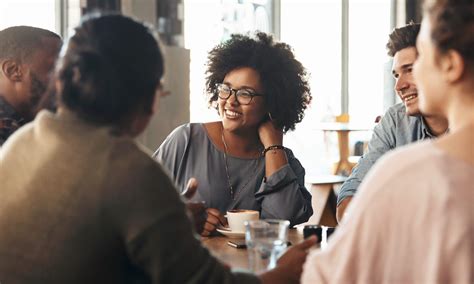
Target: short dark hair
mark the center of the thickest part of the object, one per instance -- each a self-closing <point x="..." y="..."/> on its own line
<point x="284" y="79"/>
<point x="452" y="26"/>
<point x="110" y="70"/>
<point x="20" y="42"/>
<point x="403" y="37"/>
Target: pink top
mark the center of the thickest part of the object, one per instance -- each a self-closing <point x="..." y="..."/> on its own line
<point x="411" y="222"/>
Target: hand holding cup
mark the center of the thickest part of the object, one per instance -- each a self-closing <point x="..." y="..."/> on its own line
<point x="214" y="219"/>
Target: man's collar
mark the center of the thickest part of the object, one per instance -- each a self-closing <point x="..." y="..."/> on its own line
<point x="425" y="129"/>
<point x="7" y="111"/>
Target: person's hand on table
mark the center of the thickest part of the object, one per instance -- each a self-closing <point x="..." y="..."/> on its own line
<point x="214" y="219"/>
<point x="196" y="210"/>
<point x="290" y="265"/>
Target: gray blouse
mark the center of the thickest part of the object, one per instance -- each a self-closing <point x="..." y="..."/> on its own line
<point x="188" y="152"/>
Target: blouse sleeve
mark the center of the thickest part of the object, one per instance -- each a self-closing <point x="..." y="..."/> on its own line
<point x="172" y="151"/>
<point x="284" y="196"/>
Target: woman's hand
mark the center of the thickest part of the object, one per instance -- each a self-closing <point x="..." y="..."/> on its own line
<point x="213" y="220"/>
<point x="290" y="265"/>
<point x="196" y="210"/>
<point x="269" y="134"/>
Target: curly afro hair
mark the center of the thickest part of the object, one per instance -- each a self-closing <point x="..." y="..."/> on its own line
<point x="284" y="79"/>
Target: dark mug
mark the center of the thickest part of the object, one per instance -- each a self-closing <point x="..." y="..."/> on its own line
<point x="317" y="230"/>
<point x="310" y="230"/>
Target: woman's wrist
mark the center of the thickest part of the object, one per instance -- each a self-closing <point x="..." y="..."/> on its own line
<point x="267" y="144"/>
<point x="269" y="141"/>
<point x="273" y="147"/>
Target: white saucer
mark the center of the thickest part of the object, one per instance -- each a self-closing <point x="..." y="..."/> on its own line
<point x="233" y="235"/>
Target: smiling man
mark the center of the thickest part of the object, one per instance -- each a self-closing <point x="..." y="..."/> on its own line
<point x="402" y="123"/>
<point x="27" y="57"/>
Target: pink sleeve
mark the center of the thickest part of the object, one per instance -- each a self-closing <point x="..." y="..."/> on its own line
<point x="356" y="242"/>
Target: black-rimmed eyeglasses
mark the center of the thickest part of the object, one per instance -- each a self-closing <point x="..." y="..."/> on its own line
<point x="243" y="96"/>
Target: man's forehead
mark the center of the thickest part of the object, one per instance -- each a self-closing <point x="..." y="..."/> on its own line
<point x="42" y="60"/>
<point x="52" y="44"/>
<point x="404" y="58"/>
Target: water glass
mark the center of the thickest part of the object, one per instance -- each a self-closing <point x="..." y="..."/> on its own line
<point x="266" y="240"/>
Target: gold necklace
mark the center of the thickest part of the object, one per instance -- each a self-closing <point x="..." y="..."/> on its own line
<point x="231" y="188"/>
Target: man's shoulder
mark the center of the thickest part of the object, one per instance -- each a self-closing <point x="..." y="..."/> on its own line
<point x="397" y="117"/>
<point x="409" y="160"/>
<point x="397" y="111"/>
<point x="7" y="111"/>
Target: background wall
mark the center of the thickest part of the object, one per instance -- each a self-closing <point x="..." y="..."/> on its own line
<point x="172" y="110"/>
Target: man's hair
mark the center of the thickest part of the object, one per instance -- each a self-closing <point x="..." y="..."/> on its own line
<point x="20" y="42"/>
<point x="403" y="37"/>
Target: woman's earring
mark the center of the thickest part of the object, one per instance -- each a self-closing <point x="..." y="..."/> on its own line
<point x="270" y="116"/>
<point x="215" y="105"/>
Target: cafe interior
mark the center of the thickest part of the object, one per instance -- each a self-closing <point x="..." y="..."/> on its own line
<point x="270" y="192"/>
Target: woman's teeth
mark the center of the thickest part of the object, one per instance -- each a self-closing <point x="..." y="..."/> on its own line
<point x="232" y="114"/>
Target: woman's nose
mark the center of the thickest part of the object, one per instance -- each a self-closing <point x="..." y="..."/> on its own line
<point x="232" y="99"/>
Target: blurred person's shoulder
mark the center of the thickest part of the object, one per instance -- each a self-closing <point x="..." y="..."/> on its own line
<point x="417" y="167"/>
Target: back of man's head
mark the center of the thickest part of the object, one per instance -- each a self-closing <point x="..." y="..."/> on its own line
<point x="403" y="37"/>
<point x="20" y="42"/>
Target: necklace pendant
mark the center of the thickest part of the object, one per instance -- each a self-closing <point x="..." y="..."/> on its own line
<point x="234" y="195"/>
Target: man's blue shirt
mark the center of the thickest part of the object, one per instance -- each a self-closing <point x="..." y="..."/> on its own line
<point x="394" y="130"/>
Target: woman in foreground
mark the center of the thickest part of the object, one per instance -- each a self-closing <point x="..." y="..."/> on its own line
<point x="413" y="219"/>
<point x="80" y="201"/>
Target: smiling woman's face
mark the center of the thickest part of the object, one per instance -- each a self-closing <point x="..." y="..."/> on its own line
<point x="242" y="118"/>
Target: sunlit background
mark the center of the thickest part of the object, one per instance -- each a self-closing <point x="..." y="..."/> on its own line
<point x="340" y="42"/>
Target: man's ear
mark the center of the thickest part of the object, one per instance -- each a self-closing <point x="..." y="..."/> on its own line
<point x="453" y="66"/>
<point x="12" y="70"/>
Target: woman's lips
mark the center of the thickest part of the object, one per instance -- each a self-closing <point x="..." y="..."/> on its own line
<point x="232" y="114"/>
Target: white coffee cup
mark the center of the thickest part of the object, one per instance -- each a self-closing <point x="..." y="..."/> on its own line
<point x="237" y="217"/>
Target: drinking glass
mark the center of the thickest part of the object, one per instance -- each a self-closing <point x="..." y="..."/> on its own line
<point x="266" y="240"/>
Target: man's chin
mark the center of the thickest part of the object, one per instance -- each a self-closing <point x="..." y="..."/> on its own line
<point x="412" y="110"/>
<point x="411" y="107"/>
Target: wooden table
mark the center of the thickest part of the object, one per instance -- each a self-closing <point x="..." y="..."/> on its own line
<point x="324" y="199"/>
<point x="238" y="258"/>
<point x="344" y="166"/>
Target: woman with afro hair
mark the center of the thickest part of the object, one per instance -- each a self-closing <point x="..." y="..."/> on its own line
<point x="260" y="91"/>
